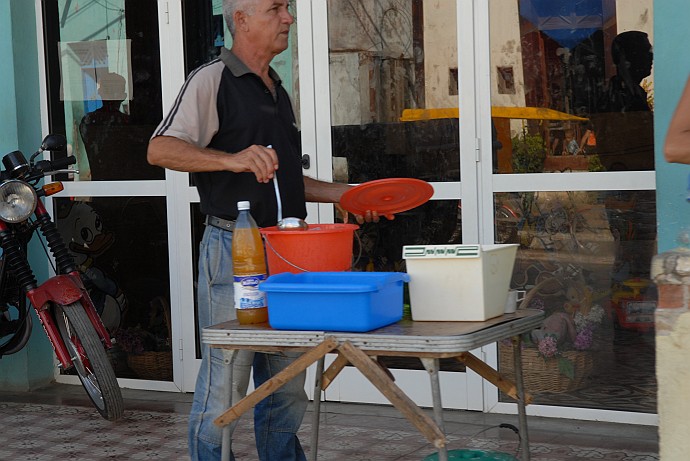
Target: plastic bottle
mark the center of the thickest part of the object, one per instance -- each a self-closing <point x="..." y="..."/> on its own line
<point x="249" y="268"/>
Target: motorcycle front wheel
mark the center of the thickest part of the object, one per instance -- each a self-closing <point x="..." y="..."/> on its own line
<point x="90" y="359"/>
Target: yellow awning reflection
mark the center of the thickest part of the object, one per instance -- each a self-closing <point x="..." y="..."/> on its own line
<point x="530" y="113"/>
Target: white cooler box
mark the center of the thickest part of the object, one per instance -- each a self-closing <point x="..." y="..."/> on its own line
<point x="459" y="282"/>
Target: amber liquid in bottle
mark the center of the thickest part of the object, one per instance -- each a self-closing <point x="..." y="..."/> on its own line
<point x="249" y="269"/>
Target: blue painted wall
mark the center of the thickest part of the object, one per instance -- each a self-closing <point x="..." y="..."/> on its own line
<point x="26" y="75"/>
<point x="8" y="107"/>
<point x="671" y="69"/>
<point x="20" y="128"/>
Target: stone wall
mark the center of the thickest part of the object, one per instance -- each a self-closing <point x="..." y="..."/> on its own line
<point x="671" y="273"/>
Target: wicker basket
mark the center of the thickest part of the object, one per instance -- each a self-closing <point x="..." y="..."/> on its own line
<point x="155" y="365"/>
<point x="152" y="365"/>
<point x="541" y="375"/>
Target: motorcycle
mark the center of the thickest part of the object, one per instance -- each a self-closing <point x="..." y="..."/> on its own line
<point x="62" y="303"/>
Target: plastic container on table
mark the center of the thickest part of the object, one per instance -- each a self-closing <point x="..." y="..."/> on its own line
<point x="320" y="248"/>
<point x="459" y="282"/>
<point x="335" y="301"/>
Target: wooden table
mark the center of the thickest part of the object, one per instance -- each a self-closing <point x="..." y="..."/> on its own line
<point x="428" y="341"/>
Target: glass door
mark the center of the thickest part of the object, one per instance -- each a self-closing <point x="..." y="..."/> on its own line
<point x="571" y="97"/>
<point x="388" y="88"/>
<point x="104" y="94"/>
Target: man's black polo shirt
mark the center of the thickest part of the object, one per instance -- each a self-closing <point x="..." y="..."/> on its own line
<point x="225" y="106"/>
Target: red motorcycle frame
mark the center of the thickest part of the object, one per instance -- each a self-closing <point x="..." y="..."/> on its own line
<point x="63" y="290"/>
<point x="62" y="303"/>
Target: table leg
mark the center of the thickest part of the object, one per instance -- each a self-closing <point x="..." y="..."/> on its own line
<point x="229" y="356"/>
<point x="393" y="393"/>
<point x="316" y="415"/>
<point x="432" y="366"/>
<point x="491" y="375"/>
<point x="522" y="413"/>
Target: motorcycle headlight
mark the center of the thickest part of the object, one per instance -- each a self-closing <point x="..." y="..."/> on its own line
<point x="17" y="201"/>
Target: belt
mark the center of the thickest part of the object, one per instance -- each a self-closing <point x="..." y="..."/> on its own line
<point x="224" y="224"/>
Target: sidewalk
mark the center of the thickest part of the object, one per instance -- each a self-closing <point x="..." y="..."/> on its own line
<point x="154" y="427"/>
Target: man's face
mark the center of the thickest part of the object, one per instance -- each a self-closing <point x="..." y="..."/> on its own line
<point x="269" y="26"/>
<point x="639" y="61"/>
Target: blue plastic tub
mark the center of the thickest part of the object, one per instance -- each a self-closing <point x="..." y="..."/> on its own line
<point x="335" y="301"/>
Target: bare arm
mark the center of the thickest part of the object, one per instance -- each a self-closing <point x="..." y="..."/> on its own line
<point x="330" y="192"/>
<point x="677" y="145"/>
<point x="322" y="191"/>
<point x="176" y="154"/>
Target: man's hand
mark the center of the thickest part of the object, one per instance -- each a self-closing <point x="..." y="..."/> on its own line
<point x="372" y="216"/>
<point x="260" y="160"/>
<point x="369" y="216"/>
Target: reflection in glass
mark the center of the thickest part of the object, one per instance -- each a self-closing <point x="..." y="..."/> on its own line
<point x="393" y="72"/>
<point x="572" y="86"/>
<point x="205" y="32"/>
<point x="572" y="91"/>
<point x="108" y="91"/>
<point x="584" y="259"/>
<point x="121" y="247"/>
<point x="378" y="246"/>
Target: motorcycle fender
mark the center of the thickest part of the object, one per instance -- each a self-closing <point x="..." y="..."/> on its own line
<point x="67" y="289"/>
<point x="60" y="289"/>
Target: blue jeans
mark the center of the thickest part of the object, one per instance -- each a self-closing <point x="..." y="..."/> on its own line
<point x="276" y="418"/>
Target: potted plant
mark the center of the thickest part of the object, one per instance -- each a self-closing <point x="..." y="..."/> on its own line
<point x="529" y="153"/>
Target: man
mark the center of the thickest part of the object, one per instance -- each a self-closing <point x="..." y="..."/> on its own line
<point x="625" y="142"/>
<point x="100" y="127"/>
<point x="624" y="122"/>
<point x="632" y="54"/>
<point x="236" y="104"/>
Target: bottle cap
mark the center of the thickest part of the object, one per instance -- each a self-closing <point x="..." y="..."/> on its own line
<point x="243" y="205"/>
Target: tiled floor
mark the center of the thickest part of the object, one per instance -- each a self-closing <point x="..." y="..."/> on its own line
<point x="57" y="423"/>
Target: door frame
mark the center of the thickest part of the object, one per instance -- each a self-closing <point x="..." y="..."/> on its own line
<point x="151" y="188"/>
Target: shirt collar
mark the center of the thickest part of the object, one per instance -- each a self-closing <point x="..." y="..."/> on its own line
<point x="238" y="68"/>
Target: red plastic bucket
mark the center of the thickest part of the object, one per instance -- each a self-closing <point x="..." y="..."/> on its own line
<point x="320" y="248"/>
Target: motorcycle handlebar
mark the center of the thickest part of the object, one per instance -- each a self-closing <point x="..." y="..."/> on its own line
<point x="44" y="166"/>
<point x="62" y="163"/>
<point x="48" y="167"/>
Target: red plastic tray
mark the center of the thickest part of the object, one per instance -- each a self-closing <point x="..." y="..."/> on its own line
<point x="387" y="196"/>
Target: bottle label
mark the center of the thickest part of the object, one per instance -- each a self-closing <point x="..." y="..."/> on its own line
<point x="247" y="293"/>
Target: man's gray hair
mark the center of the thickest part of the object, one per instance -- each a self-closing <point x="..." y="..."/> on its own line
<point x="232" y="6"/>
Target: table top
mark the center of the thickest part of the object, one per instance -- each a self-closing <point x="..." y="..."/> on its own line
<point x="406" y="336"/>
